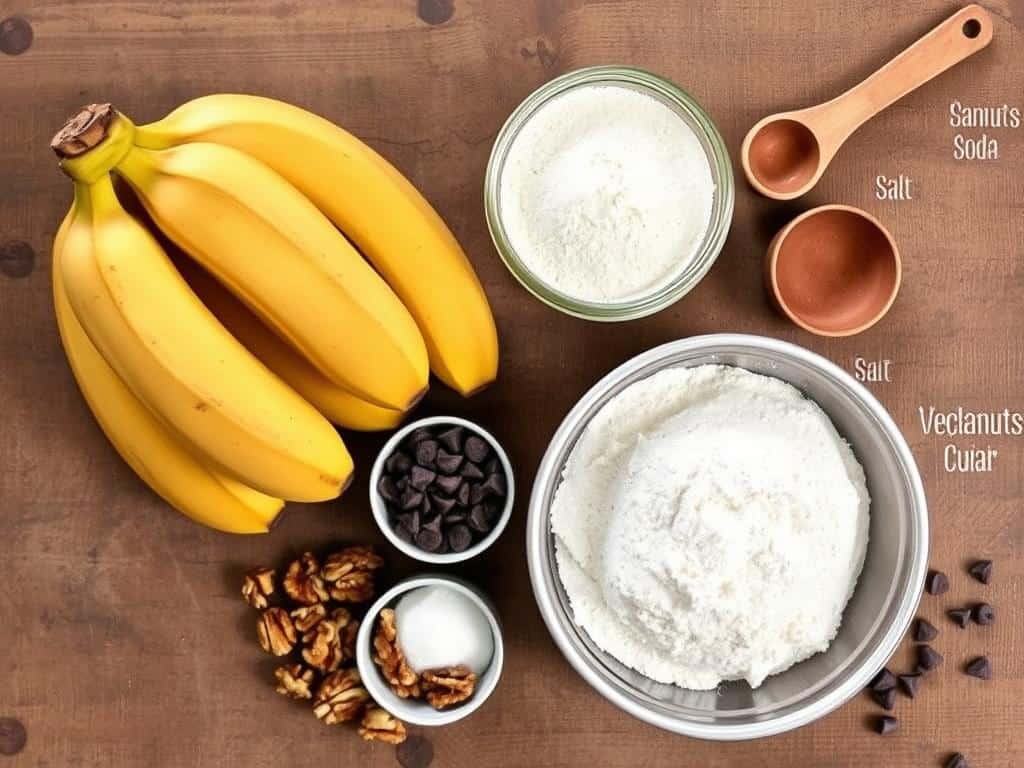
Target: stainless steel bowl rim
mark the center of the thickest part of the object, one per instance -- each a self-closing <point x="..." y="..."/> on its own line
<point x="537" y="530"/>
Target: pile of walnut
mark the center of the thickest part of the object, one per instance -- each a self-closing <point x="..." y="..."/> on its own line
<point x="322" y="631"/>
<point x="440" y="687"/>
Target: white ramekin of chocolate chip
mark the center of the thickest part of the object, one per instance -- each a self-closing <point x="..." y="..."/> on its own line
<point x="442" y="489"/>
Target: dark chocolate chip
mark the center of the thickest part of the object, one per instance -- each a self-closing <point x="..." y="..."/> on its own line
<point x="411" y="499"/>
<point x="460" y="537"/>
<point x="388" y="490"/>
<point x="402" y="532"/>
<point x="433" y="523"/>
<point x="16" y="35"/>
<point x="463" y="494"/>
<point x="398" y="463"/>
<point x="957" y="761"/>
<point x="410" y="520"/>
<point x="493" y="511"/>
<point x="448" y="463"/>
<point x="886" y="724"/>
<point x="983" y="614"/>
<point x="418" y="435"/>
<point x="455" y="517"/>
<point x="448" y="485"/>
<point x="420" y="477"/>
<point x="960" y="616"/>
<point x="17" y="258"/>
<point x="476" y="449"/>
<point x="910" y="684"/>
<point x="883" y="681"/>
<point x="452" y="439"/>
<point x="924" y="631"/>
<point x="429" y="540"/>
<point x="981" y="570"/>
<point x="13" y="736"/>
<point x="415" y="752"/>
<point x="980" y="668"/>
<point x="426" y="508"/>
<point x="496" y="485"/>
<point x="402" y="483"/>
<point x="478" y="493"/>
<point x="426" y="452"/>
<point x="441" y="504"/>
<point x="936" y="583"/>
<point x="492" y="465"/>
<point x="928" y="658"/>
<point x="478" y="520"/>
<point x="471" y="471"/>
<point x="885" y="699"/>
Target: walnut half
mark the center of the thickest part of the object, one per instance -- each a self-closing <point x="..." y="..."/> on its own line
<point x="340" y="697"/>
<point x="331" y="641"/>
<point x="389" y="657"/>
<point x="294" y="682"/>
<point x="349" y="574"/>
<point x="380" y="725"/>
<point x="257" y="586"/>
<point x="302" y="582"/>
<point x="276" y="632"/>
<point x="448" y="686"/>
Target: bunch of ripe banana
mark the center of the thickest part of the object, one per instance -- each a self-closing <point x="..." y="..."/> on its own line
<point x="214" y="374"/>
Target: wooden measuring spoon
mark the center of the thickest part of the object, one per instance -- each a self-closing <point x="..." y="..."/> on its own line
<point x="785" y="154"/>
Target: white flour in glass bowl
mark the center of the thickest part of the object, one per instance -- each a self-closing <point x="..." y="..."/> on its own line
<point x="710" y="525"/>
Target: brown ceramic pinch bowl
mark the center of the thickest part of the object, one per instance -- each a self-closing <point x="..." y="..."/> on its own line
<point x="833" y="270"/>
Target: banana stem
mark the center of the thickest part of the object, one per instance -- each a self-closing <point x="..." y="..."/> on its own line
<point x="92" y="142"/>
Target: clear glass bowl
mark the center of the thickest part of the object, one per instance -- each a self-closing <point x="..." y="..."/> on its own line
<point x="721" y="172"/>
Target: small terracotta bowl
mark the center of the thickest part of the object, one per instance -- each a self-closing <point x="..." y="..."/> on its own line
<point x="833" y="270"/>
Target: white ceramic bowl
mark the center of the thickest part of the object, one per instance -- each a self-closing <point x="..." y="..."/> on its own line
<point x="380" y="511"/>
<point x="415" y="711"/>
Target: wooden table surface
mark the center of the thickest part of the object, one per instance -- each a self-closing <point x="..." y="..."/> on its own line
<point x="124" y="641"/>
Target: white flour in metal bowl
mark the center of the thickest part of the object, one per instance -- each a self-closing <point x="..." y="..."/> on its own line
<point x="710" y="525"/>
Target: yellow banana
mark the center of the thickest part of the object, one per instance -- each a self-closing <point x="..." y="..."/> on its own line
<point x="373" y="204"/>
<point x="334" y="402"/>
<point x="175" y="356"/>
<point x="271" y="247"/>
<point x="149" y="448"/>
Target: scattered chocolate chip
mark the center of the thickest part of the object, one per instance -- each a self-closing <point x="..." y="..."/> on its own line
<point x="957" y="761"/>
<point x="448" y="485"/>
<point x="463" y="494"/>
<point x="17" y="259"/>
<point x="452" y="439"/>
<point x="460" y="537"/>
<point x="981" y="570"/>
<point x="980" y="668"/>
<point x="398" y="463"/>
<point x="928" y="658"/>
<point x="478" y="519"/>
<point x="885" y="699"/>
<point x="429" y="540"/>
<point x="411" y="499"/>
<point x="883" y="681"/>
<point x="471" y="471"/>
<point x="936" y="583"/>
<point x="448" y="462"/>
<point x="476" y="449"/>
<point x="924" y="631"/>
<point x="12" y="736"/>
<point x="886" y="724"/>
<point x="388" y="490"/>
<point x="415" y="752"/>
<point x="441" y="504"/>
<point x="435" y="12"/>
<point x="910" y="684"/>
<point x="983" y="614"/>
<point x="16" y="35"/>
<point x="960" y="616"/>
<point x="426" y="452"/>
<point x="421" y="477"/>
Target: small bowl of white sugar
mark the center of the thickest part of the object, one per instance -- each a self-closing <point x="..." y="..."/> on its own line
<point x="609" y="193"/>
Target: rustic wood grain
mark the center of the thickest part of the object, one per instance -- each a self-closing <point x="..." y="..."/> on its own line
<point x="124" y="641"/>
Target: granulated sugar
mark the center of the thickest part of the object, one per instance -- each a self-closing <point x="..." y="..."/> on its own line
<point x="606" y="193"/>
<point x="711" y="525"/>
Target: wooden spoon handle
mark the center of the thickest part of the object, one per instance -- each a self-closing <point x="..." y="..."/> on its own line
<point x="964" y="33"/>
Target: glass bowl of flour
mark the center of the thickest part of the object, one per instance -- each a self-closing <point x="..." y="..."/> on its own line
<point x="728" y="537"/>
<point x="609" y="193"/>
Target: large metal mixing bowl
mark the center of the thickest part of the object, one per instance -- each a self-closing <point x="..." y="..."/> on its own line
<point x="877" y="615"/>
